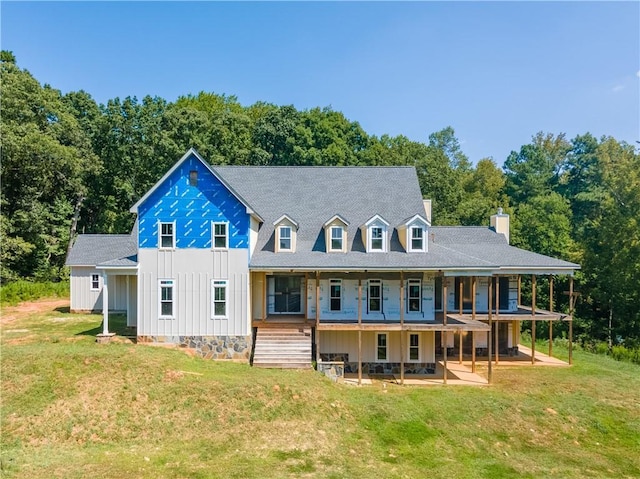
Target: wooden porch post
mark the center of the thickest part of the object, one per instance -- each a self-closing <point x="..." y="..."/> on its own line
<point x="359" y="331"/>
<point x="490" y="371"/>
<point x="473" y="317"/>
<point x="317" y="316"/>
<point x="105" y="304"/>
<point x="571" y="301"/>
<point x="497" y="318"/>
<point x="444" y="322"/>
<point x="550" y="310"/>
<point x="533" y="318"/>
<point x="401" y="328"/>
<point x="264" y="297"/>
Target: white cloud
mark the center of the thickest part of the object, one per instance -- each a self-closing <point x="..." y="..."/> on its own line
<point x="617" y="88"/>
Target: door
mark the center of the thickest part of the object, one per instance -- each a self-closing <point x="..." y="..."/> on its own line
<point x="287" y="294"/>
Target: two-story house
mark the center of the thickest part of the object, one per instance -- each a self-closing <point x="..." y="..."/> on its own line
<point x="283" y="266"/>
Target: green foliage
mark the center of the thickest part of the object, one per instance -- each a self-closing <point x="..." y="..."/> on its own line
<point x="18" y="291"/>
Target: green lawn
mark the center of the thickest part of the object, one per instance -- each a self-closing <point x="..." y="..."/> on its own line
<point x="74" y="409"/>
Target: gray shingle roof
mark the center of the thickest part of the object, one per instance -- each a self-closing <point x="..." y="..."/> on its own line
<point x="103" y="250"/>
<point x="311" y="195"/>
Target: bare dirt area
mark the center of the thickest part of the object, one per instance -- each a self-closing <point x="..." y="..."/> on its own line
<point x="8" y="314"/>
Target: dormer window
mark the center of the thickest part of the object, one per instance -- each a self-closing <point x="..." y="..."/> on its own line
<point x="285" y="238"/>
<point x="417" y="238"/>
<point x="413" y="234"/>
<point x="285" y="234"/>
<point x="375" y="234"/>
<point x="336" y="234"/>
<point x="376" y="239"/>
<point x="336" y="238"/>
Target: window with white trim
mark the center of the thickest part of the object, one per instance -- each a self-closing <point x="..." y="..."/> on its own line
<point x="417" y="238"/>
<point x="220" y="236"/>
<point x="374" y="303"/>
<point x="414" y="293"/>
<point x="166" y="298"/>
<point x="285" y="238"/>
<point x="167" y="235"/>
<point x="335" y="286"/>
<point x="382" y="347"/>
<point x="219" y="295"/>
<point x="336" y="238"/>
<point x="414" y="347"/>
<point x="377" y="239"/>
<point x="95" y="282"/>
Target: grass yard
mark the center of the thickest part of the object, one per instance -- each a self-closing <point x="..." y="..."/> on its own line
<point x="74" y="409"/>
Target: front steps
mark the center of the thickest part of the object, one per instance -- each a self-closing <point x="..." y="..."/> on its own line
<point x="280" y="348"/>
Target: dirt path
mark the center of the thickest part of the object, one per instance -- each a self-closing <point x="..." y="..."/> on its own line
<point x="9" y="314"/>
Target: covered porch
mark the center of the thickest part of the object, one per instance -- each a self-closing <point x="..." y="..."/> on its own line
<point x="111" y="276"/>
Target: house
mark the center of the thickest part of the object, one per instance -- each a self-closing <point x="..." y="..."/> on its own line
<point x="288" y="265"/>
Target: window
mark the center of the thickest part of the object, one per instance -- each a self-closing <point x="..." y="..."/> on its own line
<point x="336" y="294"/>
<point x="95" y="282"/>
<point x="219" y="295"/>
<point x="437" y="299"/>
<point x="466" y="293"/>
<point x="417" y="242"/>
<point x="375" y="295"/>
<point x="414" y="347"/>
<point x="414" y="292"/>
<point x="381" y="350"/>
<point x="377" y="239"/>
<point x="167" y="235"/>
<point x="285" y="238"/>
<point x="193" y="178"/>
<point x="336" y="238"/>
<point x="166" y="298"/>
<point x="220" y="237"/>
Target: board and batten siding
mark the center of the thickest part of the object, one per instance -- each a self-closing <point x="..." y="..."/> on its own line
<point x="192" y="271"/>
<point x="84" y="298"/>
<point x="346" y="342"/>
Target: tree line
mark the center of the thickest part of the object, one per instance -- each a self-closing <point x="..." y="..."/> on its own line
<point x="70" y="165"/>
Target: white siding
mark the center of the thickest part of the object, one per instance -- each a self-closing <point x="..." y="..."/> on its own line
<point x="192" y="271"/>
<point x="340" y="342"/>
<point x="82" y="297"/>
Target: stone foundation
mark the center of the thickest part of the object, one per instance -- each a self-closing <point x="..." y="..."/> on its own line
<point x="208" y="347"/>
<point x="334" y="370"/>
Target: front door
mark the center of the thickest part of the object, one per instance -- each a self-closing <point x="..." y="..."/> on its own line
<point x="287" y="295"/>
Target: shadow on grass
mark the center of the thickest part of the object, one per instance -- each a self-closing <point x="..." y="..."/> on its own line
<point x="117" y="324"/>
<point x="63" y="310"/>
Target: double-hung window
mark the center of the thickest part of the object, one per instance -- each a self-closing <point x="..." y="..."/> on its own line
<point x="285" y="238"/>
<point x="417" y="238"/>
<point x="336" y="294"/>
<point x="219" y="295"/>
<point x="414" y="347"/>
<point x="414" y="294"/>
<point x="167" y="235"/>
<point x="166" y="298"/>
<point x="377" y="241"/>
<point x="381" y="347"/>
<point x="375" y="296"/>
<point x="95" y="282"/>
<point x="220" y="236"/>
<point x="336" y="238"/>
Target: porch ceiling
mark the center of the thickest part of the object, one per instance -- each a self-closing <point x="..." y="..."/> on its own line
<point x="453" y="324"/>
<point x="522" y="314"/>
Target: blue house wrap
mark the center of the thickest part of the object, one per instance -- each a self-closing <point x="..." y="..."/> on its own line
<point x="193" y="209"/>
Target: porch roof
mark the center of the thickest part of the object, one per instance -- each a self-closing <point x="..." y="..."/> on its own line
<point x="104" y="250"/>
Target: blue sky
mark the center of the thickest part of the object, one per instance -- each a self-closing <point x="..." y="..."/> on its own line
<point x="496" y="72"/>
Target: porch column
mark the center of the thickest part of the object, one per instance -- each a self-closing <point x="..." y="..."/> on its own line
<point x="128" y="301"/>
<point x="401" y="328"/>
<point x="550" y="310"/>
<point x="460" y="305"/>
<point x="533" y="318"/>
<point x="359" y="331"/>
<point x="444" y="322"/>
<point x="497" y="318"/>
<point x="473" y="317"/>
<point x="317" y="316"/>
<point x="105" y="304"/>
<point x="490" y="371"/>
<point x="306" y="310"/>
<point x="264" y="297"/>
<point x="571" y="301"/>
<point x="519" y="291"/>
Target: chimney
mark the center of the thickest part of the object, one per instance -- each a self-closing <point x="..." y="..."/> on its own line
<point x="427" y="210"/>
<point x="500" y="223"/>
